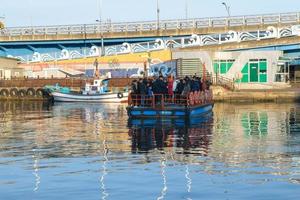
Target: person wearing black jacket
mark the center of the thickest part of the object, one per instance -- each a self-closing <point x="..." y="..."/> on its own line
<point x="159" y="88"/>
<point x="179" y="89"/>
<point x="142" y="88"/>
<point x="134" y="91"/>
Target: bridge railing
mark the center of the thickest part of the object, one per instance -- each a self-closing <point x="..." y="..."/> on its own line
<point x="98" y="28"/>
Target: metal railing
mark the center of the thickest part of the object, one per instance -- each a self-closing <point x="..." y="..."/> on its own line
<point x="223" y="81"/>
<point x="164" y="100"/>
<point x="198" y="23"/>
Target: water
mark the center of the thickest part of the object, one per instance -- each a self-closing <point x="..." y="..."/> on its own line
<point x="71" y="151"/>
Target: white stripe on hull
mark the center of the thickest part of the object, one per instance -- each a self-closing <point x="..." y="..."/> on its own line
<point x="103" y="98"/>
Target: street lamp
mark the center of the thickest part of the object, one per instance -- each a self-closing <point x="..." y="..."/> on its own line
<point x="227" y="8"/>
<point x="186" y="9"/>
<point x="101" y="34"/>
<point x="157" y="12"/>
<point x="100" y="26"/>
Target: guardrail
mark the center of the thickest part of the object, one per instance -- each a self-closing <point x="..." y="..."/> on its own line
<point x="101" y="28"/>
<point x="223" y="81"/>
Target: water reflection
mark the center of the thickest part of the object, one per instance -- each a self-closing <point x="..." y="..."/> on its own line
<point x="188" y="135"/>
<point x="104" y="171"/>
<point x="96" y="146"/>
<point x="35" y="158"/>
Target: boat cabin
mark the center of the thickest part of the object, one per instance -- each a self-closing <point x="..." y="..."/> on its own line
<point x="99" y="86"/>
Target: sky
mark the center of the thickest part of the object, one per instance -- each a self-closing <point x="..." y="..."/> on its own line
<point x="58" y="12"/>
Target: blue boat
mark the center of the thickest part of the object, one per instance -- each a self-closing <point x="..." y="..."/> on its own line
<point x="197" y="104"/>
<point x="169" y="122"/>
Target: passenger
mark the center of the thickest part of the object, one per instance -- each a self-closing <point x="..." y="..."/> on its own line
<point x="134" y="92"/>
<point x="179" y="87"/>
<point x="158" y="88"/>
<point x="170" y="85"/>
<point x="149" y="89"/>
<point x="134" y="87"/>
<point x="188" y="80"/>
<point x="178" y="90"/>
<point x="149" y="94"/>
<point x="208" y="84"/>
<point x="185" y="93"/>
<point x="186" y="90"/>
<point x="142" y="88"/>
<point x="200" y="83"/>
<point x="195" y="85"/>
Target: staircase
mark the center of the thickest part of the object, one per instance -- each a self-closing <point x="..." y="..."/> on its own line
<point x="224" y="82"/>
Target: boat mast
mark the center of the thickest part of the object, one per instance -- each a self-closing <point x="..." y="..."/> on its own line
<point x="96" y="73"/>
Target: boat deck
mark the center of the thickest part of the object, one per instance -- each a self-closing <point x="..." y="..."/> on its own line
<point x="166" y="106"/>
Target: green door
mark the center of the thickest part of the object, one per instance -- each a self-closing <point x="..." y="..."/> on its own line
<point x="253" y="72"/>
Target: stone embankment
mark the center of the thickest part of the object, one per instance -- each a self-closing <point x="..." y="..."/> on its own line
<point x="275" y="95"/>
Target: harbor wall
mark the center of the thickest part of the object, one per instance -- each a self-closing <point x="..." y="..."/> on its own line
<point x="280" y="95"/>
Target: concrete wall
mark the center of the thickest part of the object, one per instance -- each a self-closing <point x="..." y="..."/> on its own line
<point x="9" y="68"/>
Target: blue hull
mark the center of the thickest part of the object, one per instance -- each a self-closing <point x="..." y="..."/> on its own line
<point x="169" y="122"/>
<point x="170" y="112"/>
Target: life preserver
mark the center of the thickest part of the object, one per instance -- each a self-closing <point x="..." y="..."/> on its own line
<point x="120" y="95"/>
<point x="4" y="93"/>
<point x="22" y="93"/>
<point x="14" y="92"/>
<point x="30" y="92"/>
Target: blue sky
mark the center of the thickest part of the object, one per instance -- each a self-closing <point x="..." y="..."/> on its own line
<point x="52" y="12"/>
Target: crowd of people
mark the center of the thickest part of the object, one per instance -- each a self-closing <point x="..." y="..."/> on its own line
<point x="168" y="86"/>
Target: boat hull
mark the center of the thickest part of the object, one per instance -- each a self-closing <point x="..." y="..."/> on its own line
<point x="101" y="98"/>
<point x="170" y="112"/>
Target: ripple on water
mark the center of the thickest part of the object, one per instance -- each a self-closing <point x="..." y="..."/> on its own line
<point x="92" y="151"/>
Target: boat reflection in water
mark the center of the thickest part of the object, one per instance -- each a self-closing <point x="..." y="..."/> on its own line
<point x="184" y="134"/>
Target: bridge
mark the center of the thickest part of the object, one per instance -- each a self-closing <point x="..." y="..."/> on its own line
<point x="148" y="28"/>
<point x="39" y="44"/>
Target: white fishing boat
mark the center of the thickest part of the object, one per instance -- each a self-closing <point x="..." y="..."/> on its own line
<point x="96" y="92"/>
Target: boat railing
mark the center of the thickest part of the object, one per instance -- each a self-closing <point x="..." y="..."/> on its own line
<point x="165" y="100"/>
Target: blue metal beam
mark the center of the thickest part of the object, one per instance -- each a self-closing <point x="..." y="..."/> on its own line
<point x="62" y="42"/>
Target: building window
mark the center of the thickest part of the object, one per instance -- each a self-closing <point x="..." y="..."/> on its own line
<point x="282" y="71"/>
<point x="222" y="66"/>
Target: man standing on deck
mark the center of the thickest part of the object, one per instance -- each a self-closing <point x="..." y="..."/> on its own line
<point x="159" y="88"/>
<point x="142" y="88"/>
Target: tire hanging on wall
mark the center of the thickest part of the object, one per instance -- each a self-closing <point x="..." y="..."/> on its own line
<point x="22" y="93"/>
<point x="120" y="95"/>
<point x="30" y="92"/>
<point x="4" y="93"/>
<point x="14" y="92"/>
<point x="39" y="92"/>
